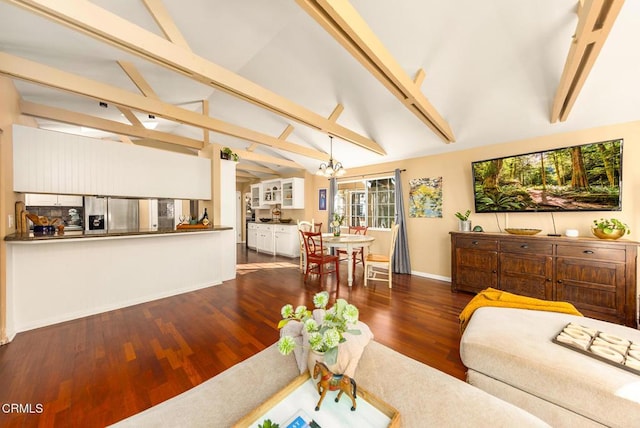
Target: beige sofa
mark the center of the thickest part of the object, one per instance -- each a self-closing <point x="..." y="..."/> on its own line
<point x="510" y="354"/>
<point x="423" y="395"/>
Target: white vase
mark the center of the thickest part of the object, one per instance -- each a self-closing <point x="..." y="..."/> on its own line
<point x="319" y="356"/>
<point x="314" y="356"/>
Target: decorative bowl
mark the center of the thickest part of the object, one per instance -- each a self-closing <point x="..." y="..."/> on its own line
<point x="615" y="233"/>
<point x="515" y="231"/>
<point x="285" y="220"/>
<point x="265" y="220"/>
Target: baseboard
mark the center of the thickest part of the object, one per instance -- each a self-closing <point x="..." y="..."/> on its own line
<point x="431" y="276"/>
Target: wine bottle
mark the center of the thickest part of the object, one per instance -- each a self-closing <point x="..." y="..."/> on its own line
<point x="204" y="215"/>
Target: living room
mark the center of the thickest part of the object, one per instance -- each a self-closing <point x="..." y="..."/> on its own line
<point x="602" y="113"/>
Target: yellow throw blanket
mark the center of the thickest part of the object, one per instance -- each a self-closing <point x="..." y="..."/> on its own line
<point x="493" y="297"/>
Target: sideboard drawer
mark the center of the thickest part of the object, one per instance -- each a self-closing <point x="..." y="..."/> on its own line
<point x="592" y="252"/>
<point x="477" y="243"/>
<point x="527" y="247"/>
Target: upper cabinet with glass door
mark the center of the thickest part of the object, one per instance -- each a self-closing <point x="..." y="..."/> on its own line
<point x="271" y="192"/>
<point x="293" y="193"/>
<point x="256" y="197"/>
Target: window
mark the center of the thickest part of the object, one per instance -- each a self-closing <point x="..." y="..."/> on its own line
<point x="367" y="202"/>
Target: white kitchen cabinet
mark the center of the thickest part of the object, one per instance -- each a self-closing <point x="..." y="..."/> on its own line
<point x="58" y="163"/>
<point x="252" y="235"/>
<point x="287" y="242"/>
<point x="293" y="193"/>
<point x="46" y="200"/>
<point x="271" y="192"/>
<point x="256" y="197"/>
<point x="265" y="240"/>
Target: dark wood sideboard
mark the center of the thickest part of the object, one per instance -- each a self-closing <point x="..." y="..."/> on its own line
<point x="597" y="276"/>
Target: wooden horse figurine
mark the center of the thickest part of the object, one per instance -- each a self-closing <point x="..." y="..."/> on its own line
<point x="332" y="382"/>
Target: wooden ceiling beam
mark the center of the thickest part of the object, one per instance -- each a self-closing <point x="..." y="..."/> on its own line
<point x="241" y="173"/>
<point x="138" y="80"/>
<point x="595" y="20"/>
<point x="255" y="168"/>
<point x="205" y="112"/>
<point x="345" y="25"/>
<point x="165" y="22"/>
<point x="132" y="118"/>
<point x="80" y="119"/>
<point x="41" y="74"/>
<point x="105" y="26"/>
<point x="419" y="77"/>
<point x="337" y="111"/>
<point x="256" y="157"/>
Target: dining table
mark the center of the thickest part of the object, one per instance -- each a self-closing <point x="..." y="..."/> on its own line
<point x="349" y="243"/>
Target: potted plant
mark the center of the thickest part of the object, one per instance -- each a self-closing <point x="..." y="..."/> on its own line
<point x="227" y="153"/>
<point x="325" y="328"/>
<point x="609" y="228"/>
<point x="464" y="224"/>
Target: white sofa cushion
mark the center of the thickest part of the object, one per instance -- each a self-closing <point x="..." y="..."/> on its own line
<point x="423" y="395"/>
<point x="515" y="346"/>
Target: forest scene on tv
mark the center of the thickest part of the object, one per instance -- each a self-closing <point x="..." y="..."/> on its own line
<point x="585" y="177"/>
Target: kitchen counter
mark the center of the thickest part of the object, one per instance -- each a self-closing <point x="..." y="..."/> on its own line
<point x="56" y="278"/>
<point x="77" y="234"/>
<point x="291" y="223"/>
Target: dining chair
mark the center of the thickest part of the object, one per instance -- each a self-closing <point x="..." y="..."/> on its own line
<point x="316" y="258"/>
<point x="377" y="264"/>
<point x="306" y="226"/>
<point x="355" y="230"/>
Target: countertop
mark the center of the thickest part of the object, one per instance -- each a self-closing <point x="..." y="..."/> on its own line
<point x="290" y="223"/>
<point x="78" y="234"/>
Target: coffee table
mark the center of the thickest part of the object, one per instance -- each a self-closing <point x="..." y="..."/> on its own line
<point x="294" y="406"/>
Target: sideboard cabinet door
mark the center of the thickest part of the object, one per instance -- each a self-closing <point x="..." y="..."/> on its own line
<point x="593" y="279"/>
<point x="474" y="263"/>
<point x="526" y="268"/>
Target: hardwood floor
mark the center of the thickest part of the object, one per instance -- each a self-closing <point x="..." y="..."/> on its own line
<point x="97" y="370"/>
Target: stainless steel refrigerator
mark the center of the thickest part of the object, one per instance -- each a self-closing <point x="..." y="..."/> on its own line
<point x="111" y="214"/>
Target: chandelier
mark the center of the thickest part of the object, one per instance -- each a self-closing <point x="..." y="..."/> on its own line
<point x="331" y="169"/>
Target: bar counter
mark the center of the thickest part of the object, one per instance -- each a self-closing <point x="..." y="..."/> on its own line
<point x="78" y="234"/>
<point x="55" y="278"/>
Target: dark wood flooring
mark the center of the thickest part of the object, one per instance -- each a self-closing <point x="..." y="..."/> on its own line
<point x="97" y="370"/>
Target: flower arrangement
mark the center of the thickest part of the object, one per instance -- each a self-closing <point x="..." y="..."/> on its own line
<point x="336" y="223"/>
<point x="337" y="220"/>
<point x="324" y="334"/>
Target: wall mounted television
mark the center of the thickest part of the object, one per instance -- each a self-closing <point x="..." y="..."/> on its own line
<point x="585" y="177"/>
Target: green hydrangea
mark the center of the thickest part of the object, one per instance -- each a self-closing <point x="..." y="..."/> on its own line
<point x="320" y="300"/>
<point x="286" y="311"/>
<point x="286" y="344"/>
<point x="316" y="341"/>
<point x="310" y="325"/>
<point x="331" y="338"/>
<point x="350" y="314"/>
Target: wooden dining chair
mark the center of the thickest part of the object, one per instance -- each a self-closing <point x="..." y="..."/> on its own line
<point x="377" y="264"/>
<point x="306" y="226"/>
<point x="357" y="252"/>
<point x="316" y="258"/>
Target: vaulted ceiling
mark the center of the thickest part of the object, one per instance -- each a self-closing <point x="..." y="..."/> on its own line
<point x="271" y="79"/>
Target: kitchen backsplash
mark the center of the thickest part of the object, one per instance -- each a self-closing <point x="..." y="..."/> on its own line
<point x="71" y="216"/>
